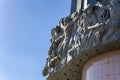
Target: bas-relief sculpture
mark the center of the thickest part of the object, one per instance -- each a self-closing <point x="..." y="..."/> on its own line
<point x="95" y="25"/>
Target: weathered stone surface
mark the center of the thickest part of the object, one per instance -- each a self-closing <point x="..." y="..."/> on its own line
<point x="80" y="36"/>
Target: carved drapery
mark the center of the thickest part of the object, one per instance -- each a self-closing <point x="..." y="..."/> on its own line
<point x="96" y="25"/>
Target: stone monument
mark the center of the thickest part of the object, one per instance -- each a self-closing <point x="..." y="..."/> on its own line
<point x="86" y="44"/>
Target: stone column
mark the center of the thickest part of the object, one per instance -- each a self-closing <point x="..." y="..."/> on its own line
<point x="73" y="6"/>
<point x="103" y="67"/>
<point x="79" y="5"/>
<point x="76" y="5"/>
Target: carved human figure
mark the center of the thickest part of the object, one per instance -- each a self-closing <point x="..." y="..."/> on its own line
<point x="114" y="21"/>
<point x="89" y="19"/>
<point x="57" y="36"/>
<point x="114" y="8"/>
<point x="75" y="40"/>
<point x="67" y="25"/>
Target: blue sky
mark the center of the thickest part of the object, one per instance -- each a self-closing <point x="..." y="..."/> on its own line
<point x="25" y="27"/>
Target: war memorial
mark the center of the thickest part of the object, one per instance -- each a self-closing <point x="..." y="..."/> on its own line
<point x="85" y="45"/>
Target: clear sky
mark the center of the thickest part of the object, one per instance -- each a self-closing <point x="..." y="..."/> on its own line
<point x="25" y="27"/>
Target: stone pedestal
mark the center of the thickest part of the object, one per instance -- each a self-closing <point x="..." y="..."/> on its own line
<point x="103" y="67"/>
<point x="86" y="44"/>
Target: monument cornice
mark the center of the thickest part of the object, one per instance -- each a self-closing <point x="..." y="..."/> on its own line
<point x="73" y="69"/>
<point x="85" y="33"/>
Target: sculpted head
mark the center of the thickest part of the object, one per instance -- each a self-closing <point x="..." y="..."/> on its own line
<point x="53" y="31"/>
<point x="89" y="9"/>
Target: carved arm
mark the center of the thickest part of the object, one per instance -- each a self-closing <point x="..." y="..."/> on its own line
<point x="95" y="26"/>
